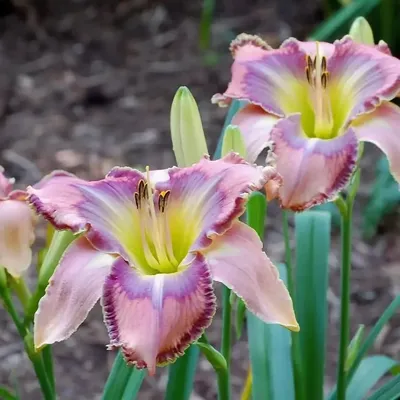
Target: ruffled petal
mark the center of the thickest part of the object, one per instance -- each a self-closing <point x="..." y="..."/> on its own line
<point x="16" y="236"/>
<point x="105" y="208"/>
<point x="73" y="290"/>
<point x="381" y="127"/>
<point x="325" y="49"/>
<point x="361" y="77"/>
<point x="207" y="197"/>
<point x="236" y="259"/>
<point x="155" y="318"/>
<point x="272" y="79"/>
<point x="313" y="170"/>
<point x="255" y="125"/>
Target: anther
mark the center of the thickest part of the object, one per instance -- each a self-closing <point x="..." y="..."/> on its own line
<point x="308" y="74"/>
<point x="324" y="79"/>
<point x="163" y="200"/>
<point x="310" y="63"/>
<point x="323" y="64"/>
<point x="141" y="189"/>
<point x="137" y="200"/>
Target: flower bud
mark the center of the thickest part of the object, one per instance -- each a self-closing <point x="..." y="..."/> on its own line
<point x="188" y="141"/>
<point x="233" y="141"/>
<point x="361" y="31"/>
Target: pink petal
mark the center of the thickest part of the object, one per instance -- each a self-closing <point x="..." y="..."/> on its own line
<point x="381" y="127"/>
<point x="208" y="196"/>
<point x="236" y="259"/>
<point x="313" y="170"/>
<point x="155" y="318"/>
<point x="255" y="125"/>
<point x="272" y="79"/>
<point x="5" y="184"/>
<point x="16" y="236"/>
<point x="73" y="290"/>
<point x="363" y="76"/>
<point x="325" y="49"/>
<point x="105" y="208"/>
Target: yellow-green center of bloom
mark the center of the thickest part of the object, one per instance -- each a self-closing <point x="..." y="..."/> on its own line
<point x="320" y="98"/>
<point x="156" y="234"/>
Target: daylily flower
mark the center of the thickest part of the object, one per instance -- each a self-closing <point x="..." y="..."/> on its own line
<point x="16" y="228"/>
<point x="151" y="245"/>
<point x="314" y="102"/>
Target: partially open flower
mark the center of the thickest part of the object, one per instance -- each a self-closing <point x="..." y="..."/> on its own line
<point x="16" y="228"/>
<point x="151" y="246"/>
<point x="315" y="102"/>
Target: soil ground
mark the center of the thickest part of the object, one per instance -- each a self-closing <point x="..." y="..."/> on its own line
<point x="89" y="86"/>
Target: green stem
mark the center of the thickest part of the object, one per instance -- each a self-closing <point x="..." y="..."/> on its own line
<point x="47" y="356"/>
<point x="295" y="349"/>
<point x="346" y="232"/>
<point x="224" y="384"/>
<point x="21" y="290"/>
<point x="222" y="374"/>
<point x="35" y="358"/>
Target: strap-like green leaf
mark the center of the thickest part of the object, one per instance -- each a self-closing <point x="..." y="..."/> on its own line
<point x="369" y="341"/>
<point x="6" y="394"/>
<point x="269" y="345"/>
<point x="181" y="375"/>
<point x="312" y="251"/>
<point x="389" y="391"/>
<point x="123" y="380"/>
<point x="368" y="374"/>
<point x="338" y="25"/>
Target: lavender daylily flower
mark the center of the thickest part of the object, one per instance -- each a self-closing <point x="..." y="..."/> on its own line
<point x="16" y="228"/>
<point x="151" y="246"/>
<point x="314" y="102"/>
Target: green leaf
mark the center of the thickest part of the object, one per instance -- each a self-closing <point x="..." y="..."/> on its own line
<point x="354" y="347"/>
<point x="181" y="375"/>
<point x="270" y="357"/>
<point x="133" y="386"/>
<point x="233" y="109"/>
<point x="384" y="199"/>
<point x="205" y="24"/>
<point x="370" y="339"/>
<point x="215" y="358"/>
<point x="389" y="391"/>
<point x="368" y="374"/>
<point x="312" y="251"/>
<point x="269" y="345"/>
<point x="6" y="394"/>
<point x="240" y="317"/>
<point x="338" y="24"/>
<point x="121" y="378"/>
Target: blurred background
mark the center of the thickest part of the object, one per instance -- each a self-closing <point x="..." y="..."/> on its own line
<point x="86" y="85"/>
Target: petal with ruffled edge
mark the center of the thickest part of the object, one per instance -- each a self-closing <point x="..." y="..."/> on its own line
<point x="381" y="127"/>
<point x="155" y="318"/>
<point x="105" y="208"/>
<point x="16" y="236"/>
<point x="360" y="78"/>
<point x="313" y="170"/>
<point x="73" y="290"/>
<point x="236" y="259"/>
<point x="255" y="126"/>
<point x="207" y="197"/>
<point x="272" y="79"/>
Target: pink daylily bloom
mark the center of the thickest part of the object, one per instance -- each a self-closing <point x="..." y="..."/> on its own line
<point x="150" y="248"/>
<point x="314" y="102"/>
<point x="16" y="228"/>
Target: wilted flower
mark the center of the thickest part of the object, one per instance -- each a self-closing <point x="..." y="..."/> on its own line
<point x="314" y="102"/>
<point x="16" y="228"/>
<point x="151" y="246"/>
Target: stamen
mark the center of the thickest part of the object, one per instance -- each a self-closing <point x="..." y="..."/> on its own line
<point x="318" y="76"/>
<point x="163" y="199"/>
